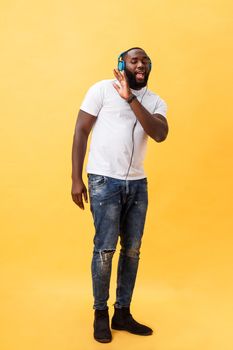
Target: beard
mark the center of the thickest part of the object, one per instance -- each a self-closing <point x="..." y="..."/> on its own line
<point x="133" y="83"/>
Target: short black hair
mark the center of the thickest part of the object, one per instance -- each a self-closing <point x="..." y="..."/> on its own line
<point x="132" y="48"/>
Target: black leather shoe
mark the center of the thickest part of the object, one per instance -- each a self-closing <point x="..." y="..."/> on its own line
<point x="123" y="320"/>
<point x="102" y="332"/>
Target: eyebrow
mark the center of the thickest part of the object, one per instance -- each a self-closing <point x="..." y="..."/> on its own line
<point x="137" y="57"/>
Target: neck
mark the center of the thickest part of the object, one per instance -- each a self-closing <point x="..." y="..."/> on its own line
<point x="137" y="88"/>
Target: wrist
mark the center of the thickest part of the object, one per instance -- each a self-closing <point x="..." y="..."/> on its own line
<point x="76" y="179"/>
<point x="131" y="98"/>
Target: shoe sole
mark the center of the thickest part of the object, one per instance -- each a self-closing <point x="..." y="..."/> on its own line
<point x="103" y="340"/>
<point x="127" y="330"/>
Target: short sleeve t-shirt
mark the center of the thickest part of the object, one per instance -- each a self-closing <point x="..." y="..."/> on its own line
<point x="118" y="141"/>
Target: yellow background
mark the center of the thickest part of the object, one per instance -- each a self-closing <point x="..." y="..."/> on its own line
<point x="51" y="52"/>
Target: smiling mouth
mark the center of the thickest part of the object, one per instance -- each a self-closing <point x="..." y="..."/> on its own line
<point x="140" y="75"/>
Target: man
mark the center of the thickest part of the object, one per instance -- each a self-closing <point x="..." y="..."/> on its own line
<point x="122" y="113"/>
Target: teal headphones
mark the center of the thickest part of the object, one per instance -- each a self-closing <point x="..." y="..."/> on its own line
<point x="121" y="63"/>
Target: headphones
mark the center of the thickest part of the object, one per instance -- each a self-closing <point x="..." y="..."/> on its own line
<point x="121" y="63"/>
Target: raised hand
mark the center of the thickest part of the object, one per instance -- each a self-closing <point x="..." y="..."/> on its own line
<point x="124" y="89"/>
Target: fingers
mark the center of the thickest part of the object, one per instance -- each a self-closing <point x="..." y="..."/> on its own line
<point x="78" y="192"/>
<point x="124" y="75"/>
<point x="85" y="196"/>
<point x="120" y="77"/>
<point x="118" y="74"/>
<point x="77" y="198"/>
<point x="116" y="87"/>
<point x="80" y="201"/>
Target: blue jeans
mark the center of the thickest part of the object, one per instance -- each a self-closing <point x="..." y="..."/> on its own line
<point x="119" y="209"/>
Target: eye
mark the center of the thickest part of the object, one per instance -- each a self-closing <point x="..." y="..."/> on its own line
<point x="133" y="61"/>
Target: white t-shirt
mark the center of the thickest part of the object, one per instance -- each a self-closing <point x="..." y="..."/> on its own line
<point x="112" y="150"/>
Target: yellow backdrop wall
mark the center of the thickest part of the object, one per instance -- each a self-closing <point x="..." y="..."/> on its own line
<point x="51" y="52"/>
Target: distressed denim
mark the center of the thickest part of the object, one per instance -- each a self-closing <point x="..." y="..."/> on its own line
<point x="119" y="209"/>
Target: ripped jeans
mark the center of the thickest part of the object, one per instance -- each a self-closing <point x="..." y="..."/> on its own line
<point x="119" y="209"/>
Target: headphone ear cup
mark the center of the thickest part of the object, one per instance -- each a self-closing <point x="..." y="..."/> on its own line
<point x="121" y="65"/>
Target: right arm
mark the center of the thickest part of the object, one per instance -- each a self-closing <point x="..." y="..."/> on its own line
<point x="84" y="124"/>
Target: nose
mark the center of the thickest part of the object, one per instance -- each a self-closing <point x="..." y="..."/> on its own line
<point x="141" y="64"/>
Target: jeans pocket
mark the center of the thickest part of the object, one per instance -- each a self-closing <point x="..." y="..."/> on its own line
<point x="96" y="181"/>
<point x="143" y="186"/>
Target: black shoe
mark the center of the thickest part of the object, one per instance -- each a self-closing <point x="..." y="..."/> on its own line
<point x="102" y="332"/>
<point x="123" y="320"/>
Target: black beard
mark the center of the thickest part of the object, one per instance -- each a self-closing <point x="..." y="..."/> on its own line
<point x="133" y="84"/>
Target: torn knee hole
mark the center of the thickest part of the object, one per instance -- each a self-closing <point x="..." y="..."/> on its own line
<point x="106" y="254"/>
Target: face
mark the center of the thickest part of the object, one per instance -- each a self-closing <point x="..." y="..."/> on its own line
<point x="137" y="68"/>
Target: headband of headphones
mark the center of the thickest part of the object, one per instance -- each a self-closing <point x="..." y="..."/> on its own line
<point x="121" y="62"/>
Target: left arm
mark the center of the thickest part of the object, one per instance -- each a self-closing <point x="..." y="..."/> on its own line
<point x="155" y="125"/>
